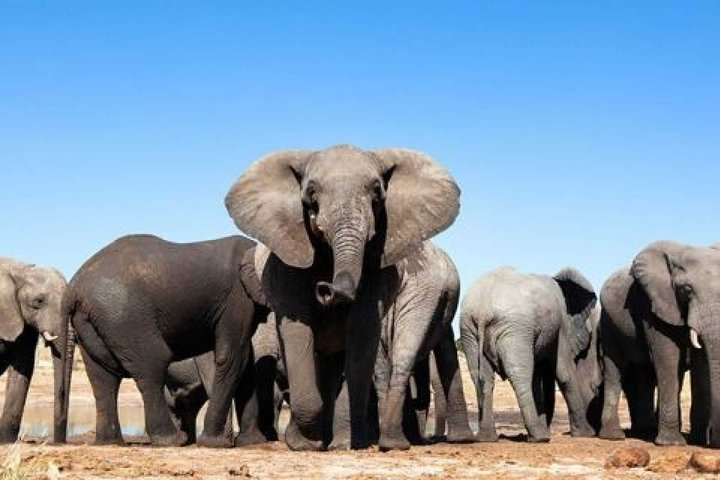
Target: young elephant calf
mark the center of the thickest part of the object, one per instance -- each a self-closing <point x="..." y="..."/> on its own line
<point x="530" y="329"/>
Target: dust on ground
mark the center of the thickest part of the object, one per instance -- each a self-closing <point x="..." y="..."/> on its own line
<point x="511" y="457"/>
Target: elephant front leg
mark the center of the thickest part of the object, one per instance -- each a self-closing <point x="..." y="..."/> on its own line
<point x="610" y="429"/>
<point x="363" y="337"/>
<point x="304" y="432"/>
<point x="22" y="365"/>
<point x="667" y="359"/>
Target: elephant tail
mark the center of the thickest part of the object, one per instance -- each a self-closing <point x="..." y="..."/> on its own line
<point x="472" y="333"/>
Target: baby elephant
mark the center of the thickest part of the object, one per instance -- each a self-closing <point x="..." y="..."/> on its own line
<point x="530" y="329"/>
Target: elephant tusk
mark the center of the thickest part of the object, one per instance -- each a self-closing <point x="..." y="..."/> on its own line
<point x="694" y="340"/>
<point x="48" y="337"/>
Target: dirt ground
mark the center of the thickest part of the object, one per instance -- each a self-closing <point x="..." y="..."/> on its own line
<point x="511" y="457"/>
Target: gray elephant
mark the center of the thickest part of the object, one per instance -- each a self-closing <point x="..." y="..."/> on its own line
<point x="336" y="225"/>
<point x="142" y="302"/>
<point x="530" y="329"/>
<point x="421" y="323"/>
<point x="666" y="308"/>
<point x="30" y="307"/>
<point x="626" y="358"/>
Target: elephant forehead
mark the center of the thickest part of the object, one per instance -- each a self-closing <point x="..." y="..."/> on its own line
<point x="343" y="163"/>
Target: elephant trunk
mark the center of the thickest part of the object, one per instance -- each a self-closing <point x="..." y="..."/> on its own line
<point x="62" y="365"/>
<point x="347" y="240"/>
<point x="704" y="320"/>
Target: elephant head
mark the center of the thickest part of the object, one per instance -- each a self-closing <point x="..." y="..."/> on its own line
<point x="30" y="295"/>
<point x="682" y="284"/>
<point x="299" y="202"/>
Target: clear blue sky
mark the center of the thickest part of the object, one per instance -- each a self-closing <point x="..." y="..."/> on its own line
<point x="578" y="131"/>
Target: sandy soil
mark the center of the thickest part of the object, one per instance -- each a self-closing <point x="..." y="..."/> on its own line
<point x="511" y="457"/>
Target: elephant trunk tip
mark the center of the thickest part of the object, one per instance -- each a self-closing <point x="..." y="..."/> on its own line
<point x="340" y="292"/>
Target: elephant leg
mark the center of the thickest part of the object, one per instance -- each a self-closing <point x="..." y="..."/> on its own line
<point x="105" y="386"/>
<point x="643" y="419"/>
<point x="233" y="335"/>
<point x="701" y="397"/>
<point x="519" y="364"/>
<point x="567" y="377"/>
<point x="341" y="423"/>
<point x="304" y="431"/>
<point x="668" y="361"/>
<point x="158" y="420"/>
<point x="20" y="372"/>
<point x="265" y="396"/>
<point x="538" y="386"/>
<point x="440" y="405"/>
<point x="610" y="429"/>
<point x="411" y="421"/>
<point x="362" y="340"/>
<point x="449" y="372"/>
<point x="483" y="377"/>
<point x="420" y="385"/>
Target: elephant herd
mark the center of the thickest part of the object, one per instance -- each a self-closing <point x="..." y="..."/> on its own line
<point x="342" y="307"/>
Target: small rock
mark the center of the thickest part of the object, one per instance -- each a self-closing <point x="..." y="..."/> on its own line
<point x="630" y="457"/>
<point x="242" y="471"/>
<point x="705" y="462"/>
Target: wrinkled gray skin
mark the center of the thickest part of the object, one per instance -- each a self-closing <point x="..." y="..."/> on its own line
<point x="30" y="307"/>
<point x="675" y="290"/>
<point x="336" y="224"/>
<point x="530" y="329"/>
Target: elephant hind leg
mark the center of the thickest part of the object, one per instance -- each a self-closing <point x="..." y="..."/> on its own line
<point x="105" y="386"/>
<point x="519" y="363"/>
<point x="449" y="372"/>
<point x="544" y="392"/>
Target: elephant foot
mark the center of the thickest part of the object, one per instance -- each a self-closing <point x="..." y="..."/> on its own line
<point x="100" y="441"/>
<point x="644" y="433"/>
<point x="8" y="437"/>
<point x="215" y="441"/>
<point x="393" y="442"/>
<point x="540" y="434"/>
<point x="297" y="442"/>
<point x="252" y="437"/>
<point x="611" y="433"/>
<point x="670" y="437"/>
<point x="340" y="444"/>
<point x="583" y="431"/>
<point x="486" y="435"/>
<point x="179" y="439"/>
<point x="460" y="435"/>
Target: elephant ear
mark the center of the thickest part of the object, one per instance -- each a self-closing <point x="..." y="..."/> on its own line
<point x="11" y="320"/>
<point x="651" y="269"/>
<point x="422" y="199"/>
<point x="265" y="203"/>
<point x="580" y="302"/>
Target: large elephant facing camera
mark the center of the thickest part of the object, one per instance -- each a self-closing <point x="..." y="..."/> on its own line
<point x="532" y="330"/>
<point x="666" y="307"/>
<point x="337" y="223"/>
<point x="30" y="307"/>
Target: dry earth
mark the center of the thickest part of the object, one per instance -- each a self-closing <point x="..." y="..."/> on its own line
<point x="511" y="457"/>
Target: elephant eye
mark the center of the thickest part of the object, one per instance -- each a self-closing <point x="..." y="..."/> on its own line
<point x="310" y="196"/>
<point x="38" y="302"/>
